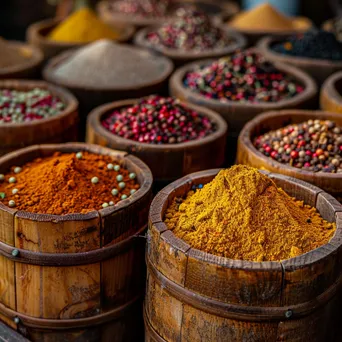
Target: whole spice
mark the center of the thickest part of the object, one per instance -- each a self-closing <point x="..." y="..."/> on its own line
<point x="63" y="184"/>
<point x="313" y="44"/>
<point x="192" y="30"/>
<point x="242" y="215"/>
<point x="159" y="120"/>
<point x="25" y="106"/>
<point x="105" y="64"/>
<point x="266" y="18"/>
<point x="12" y="55"/>
<point x="314" y="145"/>
<point x="243" y="77"/>
<point x="145" y="8"/>
<point x="82" y="26"/>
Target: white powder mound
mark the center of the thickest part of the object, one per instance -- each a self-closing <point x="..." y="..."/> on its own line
<point x="105" y="64"/>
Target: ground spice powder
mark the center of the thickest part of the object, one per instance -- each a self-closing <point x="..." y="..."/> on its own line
<point x="63" y="184"/>
<point x="12" y="55"/>
<point x="242" y="215"/>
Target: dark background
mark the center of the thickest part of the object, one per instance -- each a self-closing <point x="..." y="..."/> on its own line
<point x="16" y="15"/>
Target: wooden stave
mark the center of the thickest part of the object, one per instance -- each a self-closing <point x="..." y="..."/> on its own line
<point x="132" y="258"/>
<point x="248" y="154"/>
<point x="330" y="98"/>
<point x="176" y="254"/>
<point x="174" y="156"/>
<point x="61" y="128"/>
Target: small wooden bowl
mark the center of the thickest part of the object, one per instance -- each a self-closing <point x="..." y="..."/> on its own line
<point x="93" y="261"/>
<point x="37" y="35"/>
<point x="331" y="98"/>
<point x="233" y="297"/>
<point x="237" y="114"/>
<point x="319" y="69"/>
<point x="167" y="162"/>
<point x="29" y="69"/>
<point x="249" y="155"/>
<point x="57" y="129"/>
<point x="180" y="57"/>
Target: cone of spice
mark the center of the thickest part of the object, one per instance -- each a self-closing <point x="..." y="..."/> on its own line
<point x="66" y="183"/>
<point x="244" y="77"/>
<point x="314" y="145"/>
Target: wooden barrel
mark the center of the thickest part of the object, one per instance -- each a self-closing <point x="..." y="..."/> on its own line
<point x="331" y="90"/>
<point x="319" y="69"/>
<point x="180" y="57"/>
<point x="28" y="69"/>
<point x="76" y="277"/>
<point x="167" y="162"/>
<point x="195" y="296"/>
<point x="37" y="36"/>
<point x="57" y="129"/>
<point x="249" y="155"/>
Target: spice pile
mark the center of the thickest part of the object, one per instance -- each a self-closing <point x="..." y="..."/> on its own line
<point x="144" y="8"/>
<point x="313" y="44"/>
<point x="191" y="31"/>
<point x="243" y="77"/>
<point x="336" y="28"/>
<point x="12" y="55"/>
<point x="266" y="18"/>
<point x="82" y="26"/>
<point x="266" y="225"/>
<point x="159" y="120"/>
<point x="67" y="183"/>
<point x="105" y="64"/>
<point x="25" y="106"/>
<point x="314" y="145"/>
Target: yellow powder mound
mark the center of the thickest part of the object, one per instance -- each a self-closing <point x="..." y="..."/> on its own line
<point x="242" y="215"/>
<point x="266" y="18"/>
<point x="82" y="26"/>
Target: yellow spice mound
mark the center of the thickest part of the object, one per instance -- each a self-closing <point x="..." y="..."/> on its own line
<point x="266" y="18"/>
<point x="82" y="26"/>
<point x="242" y="215"/>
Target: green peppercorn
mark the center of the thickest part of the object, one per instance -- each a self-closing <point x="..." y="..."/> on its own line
<point x="79" y="155"/>
<point x="110" y="166"/>
<point x="111" y="203"/>
<point x="122" y="185"/>
<point x="12" y="180"/>
<point x="132" y="175"/>
<point x="15" y="191"/>
<point x="115" y="192"/>
<point x="117" y="167"/>
<point x="123" y="197"/>
<point x="94" y="180"/>
<point x="119" y="178"/>
<point x="11" y="203"/>
<point x="2" y="177"/>
<point x="17" y="169"/>
<point x="105" y="205"/>
<point x="133" y="191"/>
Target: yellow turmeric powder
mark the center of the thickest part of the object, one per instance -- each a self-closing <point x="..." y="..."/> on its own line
<point x="82" y="26"/>
<point x="242" y="215"/>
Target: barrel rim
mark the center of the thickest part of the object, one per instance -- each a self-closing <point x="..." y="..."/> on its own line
<point x="330" y="91"/>
<point x="145" y="184"/>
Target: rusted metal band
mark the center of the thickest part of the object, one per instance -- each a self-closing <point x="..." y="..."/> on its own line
<point x="240" y="312"/>
<point x="64" y="324"/>
<point x="70" y="259"/>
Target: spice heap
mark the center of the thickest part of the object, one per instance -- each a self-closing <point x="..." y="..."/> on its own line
<point x="25" y="106"/>
<point x="336" y="28"/>
<point x="12" y="55"/>
<point x="314" y="145"/>
<point x="243" y="77"/>
<point x="159" y="120"/>
<point x="313" y="44"/>
<point x="144" y="8"/>
<point x="266" y="18"/>
<point x="191" y="31"/>
<point x="105" y="64"/>
<point x="265" y="225"/>
<point x="67" y="183"/>
<point x="82" y="26"/>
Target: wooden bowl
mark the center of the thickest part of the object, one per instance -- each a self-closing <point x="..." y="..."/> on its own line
<point x="180" y="57"/>
<point x="319" y="69"/>
<point x="238" y="299"/>
<point x="91" y="97"/>
<point x="213" y="8"/>
<point x="37" y="35"/>
<point x="29" y="69"/>
<point x="93" y="263"/>
<point x="56" y="129"/>
<point x="249" y="155"/>
<point x="167" y="162"/>
<point x="331" y="98"/>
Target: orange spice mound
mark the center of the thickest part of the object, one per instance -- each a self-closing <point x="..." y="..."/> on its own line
<point x="61" y="184"/>
<point x="242" y="215"/>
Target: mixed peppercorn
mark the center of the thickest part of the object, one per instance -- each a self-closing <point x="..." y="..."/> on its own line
<point x="158" y="120"/>
<point x="25" y="106"/>
<point x="145" y="8"/>
<point x="243" y="77"/>
<point x="314" y="145"/>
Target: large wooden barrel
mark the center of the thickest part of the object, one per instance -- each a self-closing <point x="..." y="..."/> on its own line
<point x="76" y="277"/>
<point x="195" y="296"/>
